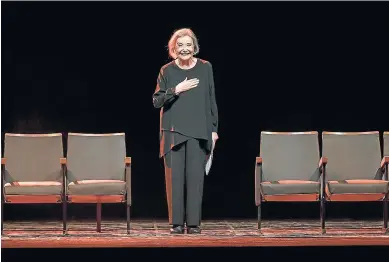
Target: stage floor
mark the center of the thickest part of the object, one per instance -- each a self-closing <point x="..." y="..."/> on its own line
<point x="232" y="233"/>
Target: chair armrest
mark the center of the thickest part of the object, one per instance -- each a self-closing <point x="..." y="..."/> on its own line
<point x="384" y="161"/>
<point x="258" y="180"/>
<point x="323" y="161"/>
<point x="127" y="162"/>
<point x="258" y="171"/>
<point x="384" y="166"/>
<point x="63" y="162"/>
<point x="3" y="161"/>
<point x="322" y="166"/>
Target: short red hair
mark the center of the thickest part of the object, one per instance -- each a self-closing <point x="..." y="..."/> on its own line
<point x="180" y="33"/>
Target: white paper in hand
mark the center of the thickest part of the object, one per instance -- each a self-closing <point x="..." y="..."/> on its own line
<point x="209" y="162"/>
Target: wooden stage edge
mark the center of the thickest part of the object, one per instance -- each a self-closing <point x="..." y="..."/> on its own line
<point x="154" y="234"/>
<point x="193" y="242"/>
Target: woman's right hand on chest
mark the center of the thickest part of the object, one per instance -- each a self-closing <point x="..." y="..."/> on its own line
<point x="186" y="85"/>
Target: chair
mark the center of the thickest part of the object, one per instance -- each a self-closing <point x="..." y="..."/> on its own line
<point x="354" y="171"/>
<point x="98" y="171"/>
<point x="288" y="169"/>
<point x="31" y="171"/>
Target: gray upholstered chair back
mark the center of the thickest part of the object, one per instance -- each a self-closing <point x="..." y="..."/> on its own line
<point x="96" y="157"/>
<point x="351" y="155"/>
<point x="386" y="143"/>
<point x="293" y="155"/>
<point x="33" y="157"/>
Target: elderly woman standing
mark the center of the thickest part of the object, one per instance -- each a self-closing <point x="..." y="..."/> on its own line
<point x="185" y="94"/>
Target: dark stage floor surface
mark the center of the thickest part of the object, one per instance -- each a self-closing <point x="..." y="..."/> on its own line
<point x="220" y="233"/>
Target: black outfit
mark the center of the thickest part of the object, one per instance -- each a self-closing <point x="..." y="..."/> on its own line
<point x="187" y="121"/>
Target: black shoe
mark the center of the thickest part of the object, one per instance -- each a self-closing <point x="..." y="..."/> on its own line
<point x="194" y="230"/>
<point x="177" y="230"/>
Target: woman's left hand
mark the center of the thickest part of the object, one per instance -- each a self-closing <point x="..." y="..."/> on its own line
<point x="215" y="137"/>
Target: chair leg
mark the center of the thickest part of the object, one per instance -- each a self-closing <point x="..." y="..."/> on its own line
<point x="386" y="203"/>
<point x="323" y="214"/>
<point x="98" y="217"/>
<point x="64" y="217"/>
<point x="128" y="218"/>
<point x="259" y="216"/>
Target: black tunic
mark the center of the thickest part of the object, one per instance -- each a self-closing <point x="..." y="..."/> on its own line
<point x="191" y="114"/>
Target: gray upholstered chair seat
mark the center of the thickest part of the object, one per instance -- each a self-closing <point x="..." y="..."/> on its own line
<point x="33" y="188"/>
<point x="283" y="187"/>
<point x="97" y="187"/>
<point x="357" y="186"/>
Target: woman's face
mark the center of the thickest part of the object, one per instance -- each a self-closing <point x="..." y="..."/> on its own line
<point x="184" y="48"/>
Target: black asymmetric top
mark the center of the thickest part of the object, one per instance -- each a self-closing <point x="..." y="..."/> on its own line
<point x="191" y="114"/>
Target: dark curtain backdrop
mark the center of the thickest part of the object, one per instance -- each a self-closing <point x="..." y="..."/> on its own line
<point x="278" y="66"/>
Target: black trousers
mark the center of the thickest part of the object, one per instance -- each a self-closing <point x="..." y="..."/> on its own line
<point x="184" y="165"/>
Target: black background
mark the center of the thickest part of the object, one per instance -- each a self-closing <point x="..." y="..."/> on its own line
<point x="278" y="66"/>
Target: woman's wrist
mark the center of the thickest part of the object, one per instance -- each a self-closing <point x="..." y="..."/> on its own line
<point x="174" y="89"/>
